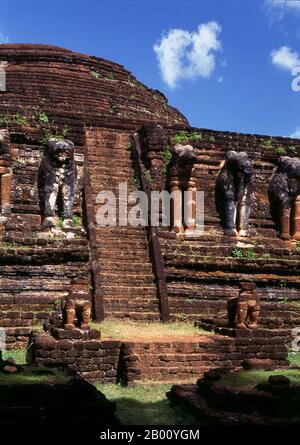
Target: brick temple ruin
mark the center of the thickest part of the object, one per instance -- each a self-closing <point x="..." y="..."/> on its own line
<point x="124" y="131"/>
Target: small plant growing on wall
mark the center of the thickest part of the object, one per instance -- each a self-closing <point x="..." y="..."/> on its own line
<point x="110" y="76"/>
<point x="292" y="149"/>
<point x="20" y="120"/>
<point x="237" y="253"/>
<point x="95" y="74"/>
<point x="137" y="183"/>
<point x="250" y="254"/>
<point x="4" y="120"/>
<point x="281" y="151"/>
<point x="166" y="156"/>
<point x="42" y="117"/>
<point x="183" y="137"/>
<point x="148" y="176"/>
<point x="268" y="144"/>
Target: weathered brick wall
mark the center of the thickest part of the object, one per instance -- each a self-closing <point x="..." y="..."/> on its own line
<point x="74" y="89"/>
<point x="203" y="274"/>
<point x="92" y="358"/>
<point x="37" y="269"/>
<point x="129" y="362"/>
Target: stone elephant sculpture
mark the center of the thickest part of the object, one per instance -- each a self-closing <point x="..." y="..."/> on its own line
<point x="56" y="179"/>
<point x="234" y="193"/>
<point x="284" y="198"/>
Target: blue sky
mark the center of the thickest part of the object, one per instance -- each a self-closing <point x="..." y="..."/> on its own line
<point x="232" y="73"/>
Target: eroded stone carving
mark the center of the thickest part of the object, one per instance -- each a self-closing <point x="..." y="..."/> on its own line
<point x="182" y="180"/>
<point x="5" y="172"/>
<point x="78" y="312"/>
<point x="56" y="181"/>
<point x="234" y="193"/>
<point x="247" y="306"/>
<point x="284" y="196"/>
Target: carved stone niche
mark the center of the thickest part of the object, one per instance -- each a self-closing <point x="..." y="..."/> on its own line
<point x="284" y="198"/>
<point x="234" y="194"/>
<point x="56" y="182"/>
<point x="181" y="180"/>
<point x="5" y="174"/>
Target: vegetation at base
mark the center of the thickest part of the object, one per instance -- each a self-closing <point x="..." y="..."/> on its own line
<point x="146" y="405"/>
<point x="294" y="358"/>
<point x="241" y="379"/>
<point x="129" y="330"/>
<point x="19" y="355"/>
<point x="31" y="374"/>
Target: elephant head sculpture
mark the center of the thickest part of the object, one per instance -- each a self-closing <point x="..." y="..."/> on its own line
<point x="233" y="193"/>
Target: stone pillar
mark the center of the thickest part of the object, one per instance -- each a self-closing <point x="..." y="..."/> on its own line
<point x="177" y="219"/>
<point x="296" y="222"/>
<point x="190" y="206"/>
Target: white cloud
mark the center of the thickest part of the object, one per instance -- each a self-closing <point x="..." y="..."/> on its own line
<point x="277" y="9"/>
<point x="188" y="55"/>
<point x="3" y="38"/>
<point x="285" y="58"/>
<point x="292" y="5"/>
<point x="296" y="134"/>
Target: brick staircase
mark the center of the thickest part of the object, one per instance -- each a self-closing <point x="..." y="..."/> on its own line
<point x="126" y="277"/>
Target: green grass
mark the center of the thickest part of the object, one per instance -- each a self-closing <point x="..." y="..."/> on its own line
<point x="128" y="330"/>
<point x="146" y="405"/>
<point x="243" y="379"/>
<point x="294" y="358"/>
<point x="19" y="355"/>
<point x="31" y="375"/>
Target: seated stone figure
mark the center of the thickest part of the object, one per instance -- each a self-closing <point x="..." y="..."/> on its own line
<point x="181" y="180"/>
<point x="78" y="312"/>
<point x="284" y="197"/>
<point x="56" y="179"/>
<point x="247" y="306"/>
<point x="5" y="172"/>
<point x="233" y="193"/>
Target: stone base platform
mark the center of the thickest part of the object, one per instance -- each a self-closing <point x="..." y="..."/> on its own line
<point x="177" y="360"/>
<point x="269" y="403"/>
